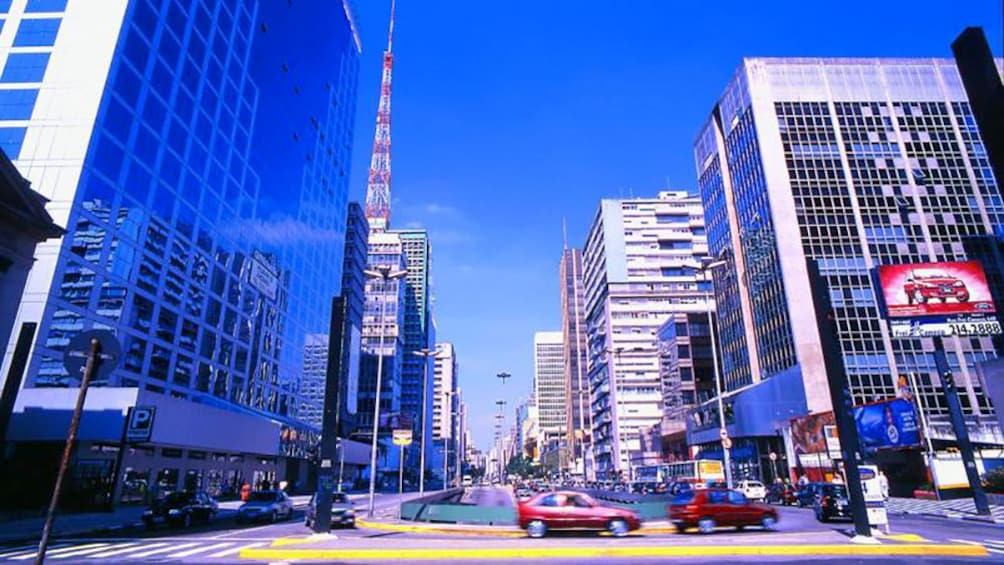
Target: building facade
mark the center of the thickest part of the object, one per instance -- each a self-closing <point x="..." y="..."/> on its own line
<point x="686" y="369"/>
<point x="445" y="390"/>
<point x="639" y="269"/>
<point x="854" y="163"/>
<point x="549" y="383"/>
<point x="578" y="418"/>
<point x="141" y="124"/>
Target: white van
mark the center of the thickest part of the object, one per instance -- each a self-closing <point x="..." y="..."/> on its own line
<point x="468" y="481"/>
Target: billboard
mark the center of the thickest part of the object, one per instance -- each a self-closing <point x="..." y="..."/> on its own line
<point x="935" y="289"/>
<point x="809" y="433"/>
<point x="888" y="424"/>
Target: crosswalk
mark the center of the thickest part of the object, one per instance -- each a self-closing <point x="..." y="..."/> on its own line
<point x="123" y="550"/>
<point x="995" y="546"/>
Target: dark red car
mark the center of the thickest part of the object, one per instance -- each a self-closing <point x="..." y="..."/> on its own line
<point x="711" y="508"/>
<point x="569" y="510"/>
<point x="923" y="285"/>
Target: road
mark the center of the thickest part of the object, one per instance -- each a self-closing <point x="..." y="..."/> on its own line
<point x="223" y="540"/>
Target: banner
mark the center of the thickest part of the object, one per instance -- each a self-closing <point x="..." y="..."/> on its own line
<point x="808" y="433"/>
<point x="935" y="289"/>
<point x="889" y="424"/>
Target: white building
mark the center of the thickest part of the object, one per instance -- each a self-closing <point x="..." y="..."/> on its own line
<point x="549" y="382"/>
<point x="638" y="263"/>
<point x="445" y="381"/>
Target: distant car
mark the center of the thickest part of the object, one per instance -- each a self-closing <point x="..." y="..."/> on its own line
<point x="523" y="494"/>
<point x="343" y="511"/>
<point x="782" y="493"/>
<point x="831" y="502"/>
<point x="924" y="284"/>
<point x="271" y="505"/>
<point x="180" y="509"/>
<point x="711" y="484"/>
<point x="467" y="481"/>
<point x="569" y="510"/>
<point x="754" y="490"/>
<point x="679" y="487"/>
<point x="806" y="494"/>
<point x="710" y="508"/>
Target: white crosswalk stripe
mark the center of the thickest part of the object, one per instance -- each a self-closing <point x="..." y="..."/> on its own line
<point x="119" y="549"/>
<point x="160" y="550"/>
<point x="235" y="550"/>
<point x="78" y="553"/>
<point x="53" y="552"/>
<point x="191" y="552"/>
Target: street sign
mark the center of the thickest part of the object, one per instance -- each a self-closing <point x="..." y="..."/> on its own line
<point x="75" y="356"/>
<point x="140" y="427"/>
<point x="727" y="443"/>
<point x="401" y="437"/>
<point x="773" y="456"/>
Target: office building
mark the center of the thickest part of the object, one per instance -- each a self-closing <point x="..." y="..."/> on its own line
<point x="549" y="383"/>
<point x="854" y="163"/>
<point x="638" y="270"/>
<point x="445" y="388"/>
<point x="687" y="373"/>
<point x="198" y="156"/>
<point x="573" y="328"/>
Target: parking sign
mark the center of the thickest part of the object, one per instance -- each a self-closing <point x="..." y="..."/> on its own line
<point x="140" y="427"/>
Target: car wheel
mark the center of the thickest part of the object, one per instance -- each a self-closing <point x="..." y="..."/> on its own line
<point x="149" y="525"/>
<point x="963" y="298"/>
<point x="918" y="297"/>
<point x="306" y="523"/>
<point x="706" y="525"/>
<point x="768" y="522"/>
<point x="822" y="517"/>
<point x="274" y="517"/>
<point x="536" y="529"/>
<point x="618" y="528"/>
<point x="680" y="528"/>
<point x="740" y="528"/>
<point x="186" y="520"/>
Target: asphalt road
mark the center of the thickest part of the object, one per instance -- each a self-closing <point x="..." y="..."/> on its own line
<point x="222" y="541"/>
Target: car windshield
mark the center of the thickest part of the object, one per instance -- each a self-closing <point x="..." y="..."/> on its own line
<point x="754" y="484"/>
<point x="339" y="498"/>
<point x="835" y="490"/>
<point x="930" y="274"/>
<point x="685" y="497"/>
<point x="263" y="497"/>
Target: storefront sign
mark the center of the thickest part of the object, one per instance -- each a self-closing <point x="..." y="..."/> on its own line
<point x="140" y="427"/>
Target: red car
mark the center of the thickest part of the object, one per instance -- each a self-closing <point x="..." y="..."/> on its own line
<point x="710" y="508"/>
<point x="569" y="510"/>
<point x="923" y="285"/>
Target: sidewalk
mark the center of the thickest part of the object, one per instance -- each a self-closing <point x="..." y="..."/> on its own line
<point x="962" y="508"/>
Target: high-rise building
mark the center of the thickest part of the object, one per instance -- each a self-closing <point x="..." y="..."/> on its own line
<point x="446" y="378"/>
<point x="687" y="371"/>
<point x="573" y="329"/>
<point x="205" y="234"/>
<point x="854" y="163"/>
<point x="549" y="383"/>
<point x="639" y="269"/>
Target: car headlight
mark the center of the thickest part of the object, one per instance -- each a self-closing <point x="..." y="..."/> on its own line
<point x="350" y="512"/>
<point x="173" y="512"/>
<point x="959" y="283"/>
<point x="148" y="512"/>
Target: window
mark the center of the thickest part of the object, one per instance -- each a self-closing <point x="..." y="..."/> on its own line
<point x="25" y="67"/>
<point x="37" y="33"/>
<point x="17" y="104"/>
<point x="736" y="497"/>
<point x="11" y="140"/>
<point x="46" y="6"/>
<point x="5" y="6"/>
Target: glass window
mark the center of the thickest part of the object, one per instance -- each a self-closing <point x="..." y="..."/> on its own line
<point x="37" y="33"/>
<point x="25" y="67"/>
<point x="736" y="497"/>
<point x="11" y="140"/>
<point x="46" y="6"/>
<point x="17" y="104"/>
<point x="5" y="6"/>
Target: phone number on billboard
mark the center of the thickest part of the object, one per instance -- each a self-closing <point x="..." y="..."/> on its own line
<point x="916" y="328"/>
<point x="975" y="328"/>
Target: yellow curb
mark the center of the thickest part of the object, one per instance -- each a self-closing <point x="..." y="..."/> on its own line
<point x="436" y="530"/>
<point x="913" y="538"/>
<point x="300" y="540"/>
<point x="610" y="551"/>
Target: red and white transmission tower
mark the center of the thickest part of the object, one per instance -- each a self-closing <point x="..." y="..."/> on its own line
<point x="378" y="187"/>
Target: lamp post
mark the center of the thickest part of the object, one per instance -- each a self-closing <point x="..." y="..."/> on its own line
<point x="499" y="425"/>
<point x="425" y="353"/>
<point x="448" y="396"/>
<point x="707" y="265"/>
<point x="384" y="274"/>
<point x="502" y="376"/>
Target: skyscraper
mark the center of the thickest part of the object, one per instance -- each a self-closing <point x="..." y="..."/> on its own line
<point x="855" y="163"/>
<point x="205" y="234"/>
<point x="446" y="379"/>
<point x="549" y="384"/>
<point x="573" y="328"/>
<point x="639" y="269"/>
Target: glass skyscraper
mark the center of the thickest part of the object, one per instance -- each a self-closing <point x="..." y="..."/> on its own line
<point x="198" y="152"/>
<point x="855" y="163"/>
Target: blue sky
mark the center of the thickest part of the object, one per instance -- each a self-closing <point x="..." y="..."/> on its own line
<point x="509" y="116"/>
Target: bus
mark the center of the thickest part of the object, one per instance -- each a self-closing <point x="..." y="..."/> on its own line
<point x="694" y="471"/>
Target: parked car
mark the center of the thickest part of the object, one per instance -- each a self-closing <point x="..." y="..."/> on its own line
<point x="710" y="508"/>
<point x="782" y="493"/>
<point x="678" y="487"/>
<point x="924" y="284"/>
<point x="806" y="494"/>
<point x="711" y="484"/>
<point x="270" y="505"/>
<point x="754" y="490"/>
<point x="343" y="511"/>
<point x="523" y="494"/>
<point x="831" y="502"/>
<point x="568" y="510"/>
<point x="180" y="509"/>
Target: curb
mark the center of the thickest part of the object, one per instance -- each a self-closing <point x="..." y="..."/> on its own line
<point x="513" y="553"/>
<point x="951" y="516"/>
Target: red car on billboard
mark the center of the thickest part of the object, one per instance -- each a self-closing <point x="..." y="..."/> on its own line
<point x="935" y="289"/>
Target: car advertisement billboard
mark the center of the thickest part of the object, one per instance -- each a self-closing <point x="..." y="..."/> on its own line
<point x="946" y="289"/>
<point x="888" y="424"/>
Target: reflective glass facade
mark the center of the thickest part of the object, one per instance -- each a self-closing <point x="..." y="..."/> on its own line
<point x="207" y="226"/>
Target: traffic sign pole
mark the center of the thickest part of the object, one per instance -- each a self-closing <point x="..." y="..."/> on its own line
<point x="71" y="437"/>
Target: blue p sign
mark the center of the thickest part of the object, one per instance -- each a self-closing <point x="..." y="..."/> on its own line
<point x="140" y="427"/>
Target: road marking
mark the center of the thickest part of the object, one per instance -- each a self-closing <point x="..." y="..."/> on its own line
<point x="125" y="549"/>
<point x="58" y="551"/>
<point x="83" y="552"/>
<point x="11" y="551"/>
<point x="161" y="550"/>
<point x="199" y="549"/>
<point x="243" y="531"/>
<point x="235" y="550"/>
<point x="978" y="544"/>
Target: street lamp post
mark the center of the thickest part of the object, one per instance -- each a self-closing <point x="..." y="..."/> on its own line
<point x="384" y="274"/>
<point x="705" y="269"/>
<point x="425" y="353"/>
<point x="448" y="396"/>
<point x="499" y="426"/>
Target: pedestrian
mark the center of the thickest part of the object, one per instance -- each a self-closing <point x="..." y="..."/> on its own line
<point x="884" y="485"/>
